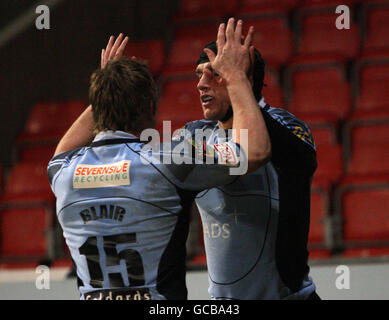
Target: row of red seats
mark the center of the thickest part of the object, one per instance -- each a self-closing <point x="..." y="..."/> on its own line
<point x="203" y="9"/>
<point x="350" y="191"/>
<point x="27" y="212"/>
<point x="316" y="90"/>
<point x="282" y="38"/>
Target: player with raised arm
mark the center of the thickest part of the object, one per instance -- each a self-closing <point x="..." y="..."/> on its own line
<point x="256" y="228"/>
<point x="124" y="216"/>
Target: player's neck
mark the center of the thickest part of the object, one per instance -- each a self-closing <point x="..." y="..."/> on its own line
<point x="136" y="134"/>
<point x="226" y="124"/>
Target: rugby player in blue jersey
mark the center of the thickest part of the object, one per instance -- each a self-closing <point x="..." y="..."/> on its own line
<point x="256" y="228"/>
<point x="125" y="216"/>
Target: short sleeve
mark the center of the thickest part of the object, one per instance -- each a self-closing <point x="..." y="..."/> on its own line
<point x="56" y="164"/>
<point x="198" y="166"/>
<point x="293" y="147"/>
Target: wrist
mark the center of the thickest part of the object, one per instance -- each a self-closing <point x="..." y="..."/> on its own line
<point x="237" y="78"/>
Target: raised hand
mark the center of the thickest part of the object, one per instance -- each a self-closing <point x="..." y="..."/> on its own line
<point x="233" y="57"/>
<point x="114" y="50"/>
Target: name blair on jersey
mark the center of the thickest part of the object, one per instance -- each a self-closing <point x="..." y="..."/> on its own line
<point x="115" y="213"/>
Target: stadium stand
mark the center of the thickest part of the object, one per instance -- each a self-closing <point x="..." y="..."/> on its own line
<point x="29" y="241"/>
<point x="272" y="91"/>
<point x="27" y="200"/>
<point x="179" y="103"/>
<point x="272" y="36"/>
<point x="189" y="40"/>
<point x="152" y="51"/>
<point x="362" y="195"/>
<point x="253" y="7"/>
<point x="203" y="9"/>
<point x="318" y="87"/>
<point x="375" y="17"/>
<point x="335" y="80"/>
<point x="314" y="23"/>
<point x="371" y="84"/>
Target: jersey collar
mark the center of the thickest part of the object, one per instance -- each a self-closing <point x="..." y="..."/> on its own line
<point x="113" y="137"/>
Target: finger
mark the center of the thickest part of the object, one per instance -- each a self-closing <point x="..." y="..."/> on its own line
<point x="249" y="38"/>
<point x="120" y="50"/>
<point x="252" y="59"/>
<point x="102" y="59"/>
<point x="230" y="30"/>
<point x="238" y="31"/>
<point x="221" y="37"/>
<point x="211" y="55"/>
<point x="252" y="54"/>
<point x="116" y="46"/>
<point x="109" y="47"/>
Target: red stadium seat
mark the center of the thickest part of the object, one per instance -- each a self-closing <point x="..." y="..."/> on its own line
<point x="323" y="134"/>
<point x="362" y="202"/>
<point x="377" y="27"/>
<point x="179" y="103"/>
<point x="317" y="76"/>
<point x="373" y="88"/>
<point x="366" y="214"/>
<point x="319" y="89"/>
<point x="315" y="254"/>
<point x="331" y="100"/>
<point x="329" y="162"/>
<point x="49" y="121"/>
<point x="38" y="153"/>
<point x="251" y="7"/>
<point x="28" y="181"/>
<point x="366" y="144"/>
<point x="324" y="3"/>
<point x="370" y="133"/>
<point x="273" y="96"/>
<point x="23" y="232"/>
<point x="204" y="9"/>
<point x="272" y="91"/>
<point x="152" y="51"/>
<point x="369" y="159"/>
<point x="329" y="153"/>
<point x="363" y="193"/>
<point x="188" y="43"/>
<point x="317" y="27"/>
<point x="272" y="37"/>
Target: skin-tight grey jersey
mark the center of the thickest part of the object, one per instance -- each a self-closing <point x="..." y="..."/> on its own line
<point x="256" y="228"/>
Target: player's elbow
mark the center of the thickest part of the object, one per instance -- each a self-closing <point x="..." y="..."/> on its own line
<point x="259" y="158"/>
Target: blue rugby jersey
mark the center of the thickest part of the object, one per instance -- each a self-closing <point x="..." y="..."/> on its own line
<point x="124" y="219"/>
<point x="256" y="228"/>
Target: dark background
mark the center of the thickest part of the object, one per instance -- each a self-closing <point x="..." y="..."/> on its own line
<point x="55" y="64"/>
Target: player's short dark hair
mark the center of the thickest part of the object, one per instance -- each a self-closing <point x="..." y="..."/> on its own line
<point x="123" y="96"/>
<point x="258" y="72"/>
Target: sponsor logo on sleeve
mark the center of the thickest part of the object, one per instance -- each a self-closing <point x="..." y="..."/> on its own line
<point x="303" y="134"/>
<point x="101" y="176"/>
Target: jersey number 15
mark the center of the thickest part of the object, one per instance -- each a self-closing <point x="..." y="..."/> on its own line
<point x="132" y="258"/>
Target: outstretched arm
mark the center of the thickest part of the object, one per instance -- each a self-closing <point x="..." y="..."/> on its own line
<point x="233" y="63"/>
<point x="81" y="131"/>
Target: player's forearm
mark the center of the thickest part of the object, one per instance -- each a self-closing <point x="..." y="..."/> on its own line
<point x="79" y="134"/>
<point x="247" y="115"/>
